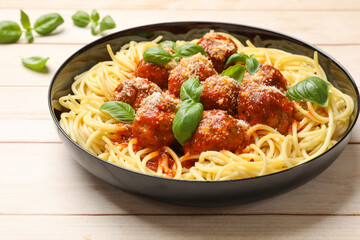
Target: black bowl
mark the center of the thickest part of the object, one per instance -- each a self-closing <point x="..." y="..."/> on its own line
<point x="198" y="193"/>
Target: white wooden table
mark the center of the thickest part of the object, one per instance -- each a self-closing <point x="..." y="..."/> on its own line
<point x="45" y="194"/>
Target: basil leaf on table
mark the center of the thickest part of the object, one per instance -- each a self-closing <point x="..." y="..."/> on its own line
<point x="107" y="23"/>
<point x="29" y="36"/>
<point x="312" y="89"/>
<point x="95" y="16"/>
<point x="236" y="72"/>
<point x="191" y="89"/>
<point x="10" y="32"/>
<point x="35" y="63"/>
<point x="121" y="111"/>
<point x="252" y="65"/>
<point x="157" y="55"/>
<point x="81" y="19"/>
<point x="47" y="23"/>
<point x="236" y="57"/>
<point x="93" y="28"/>
<point x="190" y="49"/>
<point x="25" y="21"/>
<point x="186" y="121"/>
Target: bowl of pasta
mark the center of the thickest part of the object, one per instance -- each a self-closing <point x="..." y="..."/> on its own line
<point x="203" y="113"/>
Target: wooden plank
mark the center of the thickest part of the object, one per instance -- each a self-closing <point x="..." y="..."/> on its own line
<point x="178" y="227"/>
<point x="15" y="74"/>
<point x="33" y="109"/>
<point x="327" y="29"/>
<point x="51" y="182"/>
<point x="186" y="4"/>
<point x="59" y="53"/>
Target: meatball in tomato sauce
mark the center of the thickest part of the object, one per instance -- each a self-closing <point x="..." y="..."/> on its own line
<point x="266" y="75"/>
<point x="220" y="92"/>
<point x="157" y="74"/>
<point x="260" y="104"/>
<point x="133" y="91"/>
<point x="219" y="48"/>
<point x="217" y="131"/>
<point x="197" y="66"/>
<point x="152" y="125"/>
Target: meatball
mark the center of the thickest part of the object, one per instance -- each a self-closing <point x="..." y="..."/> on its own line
<point x="197" y="66"/>
<point x="152" y="125"/>
<point x="217" y="131"/>
<point x="157" y="74"/>
<point x="220" y="92"/>
<point x="260" y="104"/>
<point x="219" y="48"/>
<point x="266" y="75"/>
<point x="133" y="91"/>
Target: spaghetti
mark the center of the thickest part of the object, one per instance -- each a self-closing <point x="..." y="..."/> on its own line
<point x="314" y="129"/>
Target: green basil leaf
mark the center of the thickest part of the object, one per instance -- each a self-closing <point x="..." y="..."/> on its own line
<point x="25" y="21"/>
<point x="47" y="23"/>
<point x="190" y="49"/>
<point x="121" y="111"/>
<point x="81" y="19"/>
<point x="171" y="45"/>
<point x="185" y="103"/>
<point x="95" y="16"/>
<point x="10" y="32"/>
<point x="236" y="57"/>
<point x="312" y="89"/>
<point x="93" y="28"/>
<point x="186" y="121"/>
<point x="157" y="55"/>
<point x="236" y="72"/>
<point x="191" y="89"/>
<point x="107" y="23"/>
<point x="29" y="36"/>
<point x="35" y="63"/>
<point x="252" y="65"/>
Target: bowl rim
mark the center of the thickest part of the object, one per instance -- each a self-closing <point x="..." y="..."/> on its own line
<point x="182" y="23"/>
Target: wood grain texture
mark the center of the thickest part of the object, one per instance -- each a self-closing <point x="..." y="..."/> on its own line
<point x="60" y="52"/>
<point x="51" y="182"/>
<point x="35" y="113"/>
<point x="45" y="194"/>
<point x="178" y="227"/>
<point x="233" y="5"/>
<point x="319" y="27"/>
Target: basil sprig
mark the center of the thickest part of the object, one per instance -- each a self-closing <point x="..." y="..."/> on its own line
<point x="191" y="90"/>
<point x="236" y="72"/>
<point x="312" y="89"/>
<point x="189" y="115"/>
<point x="35" y="63"/>
<point x="121" y="111"/>
<point x="25" y="22"/>
<point x="251" y="64"/>
<point x="82" y="19"/>
<point x="158" y="55"/>
<point x="11" y="32"/>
